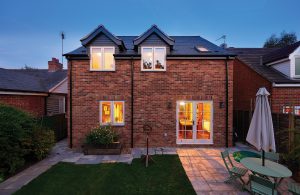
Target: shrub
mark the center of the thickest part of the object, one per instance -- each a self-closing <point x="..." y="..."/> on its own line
<point x="102" y="135"/>
<point x="15" y="132"/>
<point x="43" y="140"/>
<point x="21" y="139"/>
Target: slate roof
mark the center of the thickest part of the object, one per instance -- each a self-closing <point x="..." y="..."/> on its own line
<point x="31" y="80"/>
<point x="100" y="29"/>
<point x="153" y="29"/>
<point x="281" y="53"/>
<point x="183" y="46"/>
<point x="253" y="58"/>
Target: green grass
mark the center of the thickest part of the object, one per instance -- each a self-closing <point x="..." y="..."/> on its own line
<point x="165" y="176"/>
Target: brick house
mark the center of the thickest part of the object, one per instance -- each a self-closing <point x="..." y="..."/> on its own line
<point x="276" y="69"/>
<point x="37" y="91"/>
<point x="182" y="86"/>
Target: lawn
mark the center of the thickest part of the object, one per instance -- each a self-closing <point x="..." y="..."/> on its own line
<point x="165" y="176"/>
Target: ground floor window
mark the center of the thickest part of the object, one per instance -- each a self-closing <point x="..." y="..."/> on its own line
<point x="194" y="122"/>
<point x="56" y="105"/>
<point x="291" y="109"/>
<point x="111" y="112"/>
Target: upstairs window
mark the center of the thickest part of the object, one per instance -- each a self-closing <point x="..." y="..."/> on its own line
<point x="153" y="58"/>
<point x="297" y="66"/>
<point x="102" y="59"/>
<point x="112" y="112"/>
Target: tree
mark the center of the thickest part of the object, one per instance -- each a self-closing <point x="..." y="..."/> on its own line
<point x="27" y="67"/>
<point x="283" y="40"/>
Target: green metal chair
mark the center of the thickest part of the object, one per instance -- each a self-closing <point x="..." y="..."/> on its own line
<point x="272" y="156"/>
<point x="259" y="185"/>
<point x="294" y="188"/>
<point x="234" y="172"/>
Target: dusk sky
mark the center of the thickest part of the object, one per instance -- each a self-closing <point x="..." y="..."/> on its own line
<point x="29" y="30"/>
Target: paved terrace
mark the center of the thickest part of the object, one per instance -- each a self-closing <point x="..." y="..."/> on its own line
<point x="204" y="167"/>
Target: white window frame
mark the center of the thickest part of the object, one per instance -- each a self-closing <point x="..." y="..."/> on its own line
<point x="194" y="140"/>
<point x="294" y="63"/>
<point x="153" y="59"/>
<point x="111" y="113"/>
<point x="102" y="59"/>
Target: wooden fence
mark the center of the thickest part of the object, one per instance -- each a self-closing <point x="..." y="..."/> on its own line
<point x="58" y="123"/>
<point x="283" y="124"/>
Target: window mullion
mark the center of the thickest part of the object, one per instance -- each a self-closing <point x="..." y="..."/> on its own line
<point x="112" y="112"/>
<point x="153" y="57"/>
<point x="102" y="59"/>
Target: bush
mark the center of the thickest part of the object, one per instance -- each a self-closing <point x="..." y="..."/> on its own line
<point x="43" y="140"/>
<point x="21" y="139"/>
<point x="15" y="132"/>
<point x="102" y="135"/>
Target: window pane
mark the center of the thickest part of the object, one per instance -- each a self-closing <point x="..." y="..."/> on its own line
<point x="203" y="121"/>
<point x="297" y="66"/>
<point x="147" y="58"/>
<point x="159" y="58"/>
<point x="108" y="59"/>
<point x="96" y="58"/>
<point x="118" y="112"/>
<point x="106" y="112"/>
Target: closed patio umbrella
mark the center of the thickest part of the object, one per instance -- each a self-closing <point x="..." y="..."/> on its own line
<point x="261" y="132"/>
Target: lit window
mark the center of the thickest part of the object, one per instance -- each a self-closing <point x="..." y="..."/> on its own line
<point x="112" y="112"/>
<point x="203" y="49"/>
<point x="102" y="59"/>
<point x="154" y="58"/>
<point x="290" y="109"/>
<point x="297" y="66"/>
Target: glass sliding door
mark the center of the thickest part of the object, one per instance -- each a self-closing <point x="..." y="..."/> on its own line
<point x="194" y="122"/>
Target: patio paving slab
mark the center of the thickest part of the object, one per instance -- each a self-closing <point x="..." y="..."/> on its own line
<point x="206" y="171"/>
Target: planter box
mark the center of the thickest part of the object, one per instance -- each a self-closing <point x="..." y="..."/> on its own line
<point x="110" y="149"/>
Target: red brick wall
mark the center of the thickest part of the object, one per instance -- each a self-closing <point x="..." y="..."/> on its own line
<point x="32" y="104"/>
<point x="245" y="86"/>
<point x="284" y="96"/>
<point x="153" y="92"/>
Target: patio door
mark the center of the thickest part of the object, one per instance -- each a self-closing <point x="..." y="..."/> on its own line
<point x="194" y="124"/>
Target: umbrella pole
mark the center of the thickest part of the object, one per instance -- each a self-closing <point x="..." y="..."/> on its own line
<point x="263" y="158"/>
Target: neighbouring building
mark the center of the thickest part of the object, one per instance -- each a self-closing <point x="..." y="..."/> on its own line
<point x="182" y="86"/>
<point x="276" y="69"/>
<point x="37" y="91"/>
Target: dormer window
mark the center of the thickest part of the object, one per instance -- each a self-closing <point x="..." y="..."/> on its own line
<point x="297" y="66"/>
<point x="153" y="58"/>
<point x="102" y="59"/>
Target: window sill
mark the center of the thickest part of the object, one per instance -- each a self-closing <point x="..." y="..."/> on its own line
<point x="102" y="70"/>
<point x="117" y="125"/>
<point x="145" y="70"/>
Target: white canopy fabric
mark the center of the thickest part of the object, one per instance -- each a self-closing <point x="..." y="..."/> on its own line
<point x="261" y="132"/>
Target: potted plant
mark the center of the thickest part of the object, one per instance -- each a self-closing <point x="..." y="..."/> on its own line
<point x="102" y="140"/>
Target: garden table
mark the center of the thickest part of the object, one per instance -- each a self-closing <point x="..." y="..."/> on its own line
<point x="271" y="169"/>
<point x="239" y="155"/>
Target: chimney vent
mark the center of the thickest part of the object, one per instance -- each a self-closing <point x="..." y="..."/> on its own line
<point x="54" y="65"/>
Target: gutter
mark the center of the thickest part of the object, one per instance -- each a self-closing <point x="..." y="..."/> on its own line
<point x="132" y="100"/>
<point x="11" y="92"/>
<point x="226" y="115"/>
<point x="70" y="109"/>
<point x="286" y="85"/>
